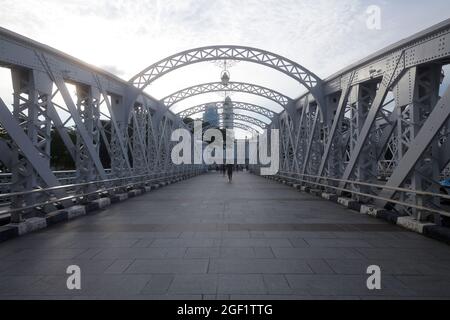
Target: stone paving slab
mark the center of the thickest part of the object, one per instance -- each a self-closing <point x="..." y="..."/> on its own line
<point x="207" y="239"/>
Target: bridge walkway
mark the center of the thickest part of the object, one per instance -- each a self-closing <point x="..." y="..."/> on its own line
<point x="207" y="239"/>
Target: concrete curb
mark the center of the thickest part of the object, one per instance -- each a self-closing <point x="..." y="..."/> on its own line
<point x="316" y="192"/>
<point x="329" y="196"/>
<point x="11" y="231"/>
<point x="388" y="216"/>
<point x="349" y="203"/>
<point x="75" y="212"/>
<point x="119" y="197"/>
<point x="30" y="225"/>
<point x="8" y="232"/>
<point x="437" y="233"/>
<point x="134" y="193"/>
<point x="57" y="217"/>
<point x="413" y="225"/>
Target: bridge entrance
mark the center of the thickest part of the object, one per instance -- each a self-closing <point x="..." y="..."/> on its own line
<point x="373" y="137"/>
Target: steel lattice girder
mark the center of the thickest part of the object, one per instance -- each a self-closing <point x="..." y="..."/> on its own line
<point x="5" y="153"/>
<point x="236" y="125"/>
<point x="429" y="47"/>
<point x="243" y="87"/>
<point x="248" y="119"/>
<point x="72" y="108"/>
<point x="117" y="136"/>
<point x="387" y="82"/>
<point x="236" y="105"/>
<point x="26" y="146"/>
<point x="428" y="132"/>
<point x="211" y="53"/>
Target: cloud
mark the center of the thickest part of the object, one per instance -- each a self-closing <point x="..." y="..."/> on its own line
<point x="113" y="69"/>
<point x="126" y="36"/>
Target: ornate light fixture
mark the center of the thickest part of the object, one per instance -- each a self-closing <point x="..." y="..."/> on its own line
<point x="225" y="75"/>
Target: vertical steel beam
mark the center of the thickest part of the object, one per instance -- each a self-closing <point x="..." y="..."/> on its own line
<point x="29" y="162"/>
<point x="333" y="135"/>
<point x="5" y="154"/>
<point x="397" y="67"/>
<point x="120" y="163"/>
<point x="360" y="102"/>
<point x="89" y="113"/>
<point x="91" y="149"/>
<point x="419" y="143"/>
<point x="313" y="116"/>
<point x="32" y="94"/>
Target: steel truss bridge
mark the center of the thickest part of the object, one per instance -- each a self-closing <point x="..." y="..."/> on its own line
<point x="375" y="133"/>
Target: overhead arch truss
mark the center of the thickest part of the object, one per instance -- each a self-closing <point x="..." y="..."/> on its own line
<point x="248" y="119"/>
<point x="212" y="53"/>
<point x="237" y="125"/>
<point x="243" y="87"/>
<point x="236" y="106"/>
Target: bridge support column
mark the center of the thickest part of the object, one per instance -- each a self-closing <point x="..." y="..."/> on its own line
<point x="151" y="142"/>
<point x="299" y="139"/>
<point x="417" y="95"/>
<point x="32" y="93"/>
<point x="360" y="101"/>
<point x="139" y="116"/>
<point x="312" y="157"/>
<point x="89" y="110"/>
<point x="287" y="156"/>
<point x="329" y="168"/>
<point x="119" y="138"/>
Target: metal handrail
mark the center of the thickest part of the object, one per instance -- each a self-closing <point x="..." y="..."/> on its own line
<point x="98" y="191"/>
<point x="444" y="213"/>
<point x="22" y="193"/>
<point x="56" y="172"/>
<point x="419" y="192"/>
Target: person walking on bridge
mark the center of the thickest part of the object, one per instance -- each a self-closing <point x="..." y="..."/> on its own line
<point x="230" y="172"/>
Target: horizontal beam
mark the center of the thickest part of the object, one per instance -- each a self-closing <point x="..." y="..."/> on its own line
<point x="438" y="117"/>
<point x="220" y="105"/>
<point x="243" y="87"/>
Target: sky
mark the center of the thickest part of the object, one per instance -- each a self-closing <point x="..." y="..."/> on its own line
<point x="124" y="37"/>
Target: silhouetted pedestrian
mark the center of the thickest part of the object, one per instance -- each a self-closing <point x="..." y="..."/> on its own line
<point x="230" y="172"/>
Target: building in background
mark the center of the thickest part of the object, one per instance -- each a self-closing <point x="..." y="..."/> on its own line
<point x="228" y="116"/>
<point x="211" y="115"/>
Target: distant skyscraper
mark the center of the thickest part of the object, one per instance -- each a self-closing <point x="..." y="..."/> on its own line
<point x="228" y="116"/>
<point x="211" y="115"/>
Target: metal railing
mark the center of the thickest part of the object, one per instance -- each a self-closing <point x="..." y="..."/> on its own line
<point x="63" y="176"/>
<point x="317" y="181"/>
<point x="105" y="188"/>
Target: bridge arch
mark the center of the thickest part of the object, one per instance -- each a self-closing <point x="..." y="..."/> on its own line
<point x="243" y="87"/>
<point x="238" y="125"/>
<point x="236" y="105"/>
<point x="248" y="119"/>
<point x="241" y="53"/>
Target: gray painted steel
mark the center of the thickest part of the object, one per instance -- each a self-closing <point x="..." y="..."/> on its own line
<point x="380" y="118"/>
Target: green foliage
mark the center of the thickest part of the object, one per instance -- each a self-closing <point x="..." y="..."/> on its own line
<point x="60" y="157"/>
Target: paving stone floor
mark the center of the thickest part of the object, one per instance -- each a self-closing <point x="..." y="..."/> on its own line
<point x="207" y="239"/>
